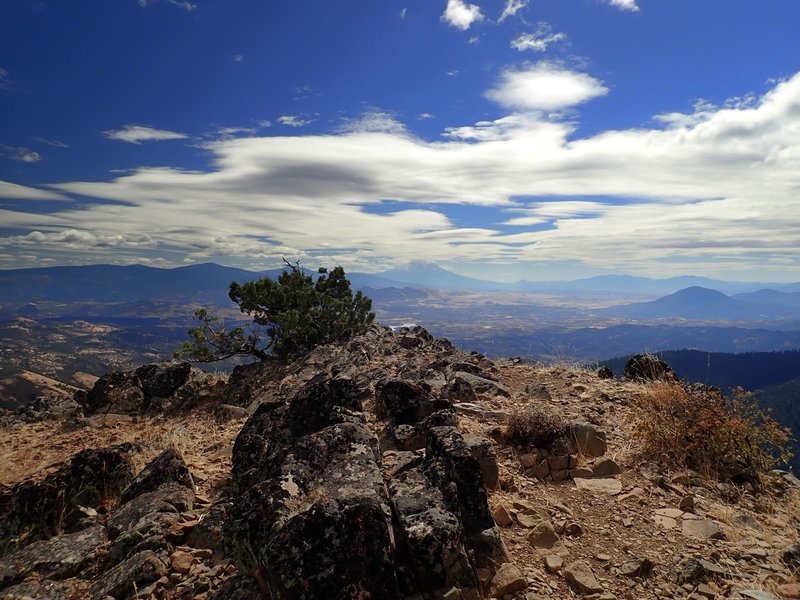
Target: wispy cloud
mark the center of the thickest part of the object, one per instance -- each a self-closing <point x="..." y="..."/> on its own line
<point x="14" y="191"/>
<point x="238" y="58"/>
<point x="293" y="121"/>
<point x="5" y="80"/>
<point x="717" y="187"/>
<point x="539" y="40"/>
<point x="53" y="143"/>
<point x="462" y="15"/>
<point x="136" y="134"/>
<point x="512" y="8"/>
<point x="184" y="4"/>
<point x="625" y="5"/>
<point x="20" y="153"/>
<point x="544" y="86"/>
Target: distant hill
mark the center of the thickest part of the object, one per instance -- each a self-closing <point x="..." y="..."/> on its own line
<point x="706" y="304"/>
<point x="428" y="275"/>
<point x="750" y="370"/>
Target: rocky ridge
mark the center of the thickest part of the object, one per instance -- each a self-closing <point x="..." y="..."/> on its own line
<point x="376" y="469"/>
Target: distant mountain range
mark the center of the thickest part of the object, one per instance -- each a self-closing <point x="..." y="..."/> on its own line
<point x="701" y="303"/>
<point x="209" y="283"/>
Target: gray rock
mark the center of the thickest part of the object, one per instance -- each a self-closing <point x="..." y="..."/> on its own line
<point x="238" y="587"/>
<point x="647" y="367"/>
<point x="791" y="555"/>
<point x="640" y="567"/>
<point x="611" y="487"/>
<point x="43" y="589"/>
<point x="483" y="385"/>
<point x="580" y="577"/>
<point x="458" y="389"/>
<point x="132" y="574"/>
<point x="701" y="529"/>
<point x="483" y="450"/>
<point x="167" y="501"/>
<point x="59" y="557"/>
<point x="507" y="580"/>
<point x="414" y="437"/>
<point x="168" y="466"/>
<point x="696" y="570"/>
<point x="538" y="391"/>
<point x="589" y="440"/>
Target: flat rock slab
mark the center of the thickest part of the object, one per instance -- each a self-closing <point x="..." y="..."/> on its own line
<point x="507" y="580"/>
<point x="599" y="486"/>
<point x="580" y="577"/>
<point x="702" y="529"/>
<point x="59" y="557"/>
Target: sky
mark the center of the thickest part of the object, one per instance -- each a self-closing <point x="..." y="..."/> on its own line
<point x="502" y="139"/>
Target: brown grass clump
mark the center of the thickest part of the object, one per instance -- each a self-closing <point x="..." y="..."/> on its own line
<point x="532" y="428"/>
<point x="700" y="429"/>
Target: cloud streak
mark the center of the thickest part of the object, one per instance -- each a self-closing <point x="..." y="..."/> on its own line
<point x="716" y="188"/>
<point x="136" y="134"/>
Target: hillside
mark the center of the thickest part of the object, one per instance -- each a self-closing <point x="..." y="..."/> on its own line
<point x="297" y="467"/>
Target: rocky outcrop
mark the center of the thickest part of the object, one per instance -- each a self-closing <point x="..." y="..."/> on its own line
<point x="38" y="510"/>
<point x="647" y="367"/>
<point x="154" y="386"/>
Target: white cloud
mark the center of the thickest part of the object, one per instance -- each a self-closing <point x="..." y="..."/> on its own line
<point x="717" y="192"/>
<point x="403" y="13"/>
<point x="53" y="143"/>
<point x="5" y="81"/>
<point x="512" y="8"/>
<point x="293" y="121"/>
<point x="136" y="134"/>
<point x="238" y="57"/>
<point x="461" y="15"/>
<point x="544" y="86"/>
<point x="625" y="5"/>
<point x="374" y="121"/>
<point x="20" y="153"/>
<point x="539" y="40"/>
<point x="425" y="116"/>
<point x="185" y="5"/>
<point x="14" y="191"/>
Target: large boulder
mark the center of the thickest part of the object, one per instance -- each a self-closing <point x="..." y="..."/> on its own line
<point x="647" y="367"/>
<point x="168" y="466"/>
<point x="310" y="511"/>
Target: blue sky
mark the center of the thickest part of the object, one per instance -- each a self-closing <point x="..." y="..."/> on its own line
<point x="504" y="139"/>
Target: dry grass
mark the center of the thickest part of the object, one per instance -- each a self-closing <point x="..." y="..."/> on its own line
<point x="33" y="450"/>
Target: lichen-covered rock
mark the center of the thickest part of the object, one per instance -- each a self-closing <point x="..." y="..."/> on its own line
<point x="404" y="402"/>
<point x="458" y="389"/>
<point x="59" y="557"/>
<point x="48" y="507"/>
<point x="432" y="536"/>
<point x="414" y="437"/>
<point x="168" y="466"/>
<point x="647" y="367"/>
<point x="123" y="580"/>
<point x="118" y="390"/>
<point x="162" y="506"/>
<point x="483" y="450"/>
<point x="588" y="439"/>
<point x="162" y="379"/>
<point x="310" y="511"/>
<point x="43" y="589"/>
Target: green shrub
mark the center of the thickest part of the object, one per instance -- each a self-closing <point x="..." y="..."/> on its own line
<point x="294" y="315"/>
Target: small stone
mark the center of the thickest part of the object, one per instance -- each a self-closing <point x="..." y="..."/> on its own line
<point x="687" y="504"/>
<point x="611" y="487"/>
<point x="702" y="529"/>
<point x="528" y="521"/>
<point x="636" y="568"/>
<point x="541" y="470"/>
<point x="706" y="591"/>
<point x="573" y="530"/>
<point x="507" y="580"/>
<point x="579" y="575"/>
<point x="543" y="536"/>
<point x="757" y="595"/>
<point x="180" y="561"/>
<point x="606" y="467"/>
<point x="553" y="563"/>
<point x="501" y="516"/>
<point x="627" y="522"/>
<point x="581" y="473"/>
<point x="603" y="557"/>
